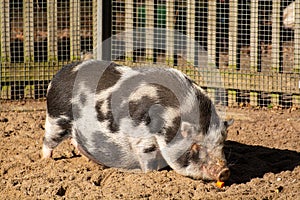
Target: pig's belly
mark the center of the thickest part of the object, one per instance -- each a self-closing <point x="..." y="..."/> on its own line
<point x="107" y="153"/>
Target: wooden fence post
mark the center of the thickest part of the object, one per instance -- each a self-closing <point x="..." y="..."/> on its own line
<point x="296" y="98"/>
<point x="211" y="93"/>
<point x="211" y="33"/>
<point x="74" y="30"/>
<point x="275" y="99"/>
<point x="5" y="91"/>
<point x="170" y="33"/>
<point x="232" y="98"/>
<point x="149" y="5"/>
<point x="233" y="34"/>
<point x="276" y="48"/>
<point x="52" y="30"/>
<point x="254" y="51"/>
<point x="254" y="37"/>
<point x="129" y="31"/>
<point x="28" y="31"/>
<point x="191" y="32"/>
<point x="297" y="38"/>
<point x="253" y="98"/>
<point x="96" y="51"/>
<point x="5" y="31"/>
<point x="233" y="51"/>
<point x="211" y="42"/>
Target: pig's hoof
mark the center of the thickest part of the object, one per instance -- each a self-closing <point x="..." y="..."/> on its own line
<point x="75" y="144"/>
<point x="47" y="153"/>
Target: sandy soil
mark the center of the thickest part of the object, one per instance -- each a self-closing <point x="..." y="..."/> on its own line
<point x="263" y="152"/>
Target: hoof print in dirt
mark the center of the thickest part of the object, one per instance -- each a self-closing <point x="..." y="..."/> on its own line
<point x="61" y="191"/>
<point x="4" y="119"/>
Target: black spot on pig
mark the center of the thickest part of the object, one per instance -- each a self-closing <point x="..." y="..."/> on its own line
<point x="100" y="115"/>
<point x="184" y="159"/>
<point x="66" y="127"/>
<point x="139" y="110"/>
<point x="64" y="124"/>
<point x="205" y="110"/>
<point x="60" y="94"/>
<point x="166" y="96"/>
<point x="191" y="155"/>
<point x="57" y="138"/>
<point x="108" y="151"/>
<point x="113" y="123"/>
<point x="172" y="130"/>
<point x="109" y="77"/>
<point x="150" y="149"/>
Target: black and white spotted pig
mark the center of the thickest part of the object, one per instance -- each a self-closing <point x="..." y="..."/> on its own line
<point x="136" y="118"/>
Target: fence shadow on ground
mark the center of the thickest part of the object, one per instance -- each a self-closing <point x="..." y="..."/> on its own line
<point x="247" y="162"/>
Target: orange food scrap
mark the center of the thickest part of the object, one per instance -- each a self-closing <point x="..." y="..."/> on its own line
<point x="220" y="184"/>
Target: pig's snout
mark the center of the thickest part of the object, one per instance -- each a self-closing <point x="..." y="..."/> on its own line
<point x="218" y="172"/>
<point x="224" y="174"/>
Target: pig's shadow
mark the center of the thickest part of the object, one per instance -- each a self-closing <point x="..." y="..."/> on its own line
<point x="247" y="162"/>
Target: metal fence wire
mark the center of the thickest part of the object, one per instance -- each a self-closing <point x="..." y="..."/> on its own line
<point x="38" y="37"/>
<point x="251" y="49"/>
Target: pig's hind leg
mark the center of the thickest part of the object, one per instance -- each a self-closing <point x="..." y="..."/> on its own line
<point x="56" y="130"/>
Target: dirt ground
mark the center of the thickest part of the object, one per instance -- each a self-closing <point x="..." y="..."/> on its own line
<point x="263" y="151"/>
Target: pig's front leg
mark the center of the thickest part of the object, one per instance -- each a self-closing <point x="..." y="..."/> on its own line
<point x="148" y="153"/>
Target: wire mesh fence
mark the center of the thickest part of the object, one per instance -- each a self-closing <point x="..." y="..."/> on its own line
<point x="37" y="39"/>
<point x="251" y="49"/>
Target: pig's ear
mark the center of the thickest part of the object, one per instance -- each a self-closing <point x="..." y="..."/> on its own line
<point x="186" y="129"/>
<point x="195" y="148"/>
<point x="228" y="123"/>
<point x="194" y="153"/>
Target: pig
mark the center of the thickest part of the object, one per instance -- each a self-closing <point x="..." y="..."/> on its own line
<point x="142" y="118"/>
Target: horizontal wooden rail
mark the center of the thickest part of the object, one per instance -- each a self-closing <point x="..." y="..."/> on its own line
<point x="263" y="81"/>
